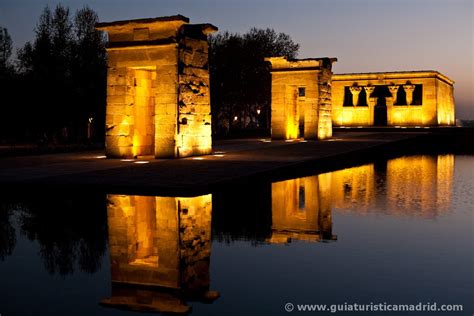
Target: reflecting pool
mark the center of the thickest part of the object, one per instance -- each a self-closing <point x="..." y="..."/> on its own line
<point x="390" y="232"/>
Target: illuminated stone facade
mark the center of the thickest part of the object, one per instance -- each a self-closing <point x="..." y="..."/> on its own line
<point x="411" y="98"/>
<point x="160" y="250"/>
<point x="301" y="98"/>
<point x="158" y="100"/>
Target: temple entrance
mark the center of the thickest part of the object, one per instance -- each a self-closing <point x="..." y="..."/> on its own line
<point x="380" y="112"/>
<point x="301" y="105"/>
<point x="143" y="96"/>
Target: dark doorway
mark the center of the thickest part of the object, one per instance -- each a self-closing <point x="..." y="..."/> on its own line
<point x="380" y="109"/>
<point x="380" y="112"/>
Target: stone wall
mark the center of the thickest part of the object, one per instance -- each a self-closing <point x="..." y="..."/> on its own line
<point x="194" y="113"/>
<point x="445" y="104"/>
<point x="325" y="102"/>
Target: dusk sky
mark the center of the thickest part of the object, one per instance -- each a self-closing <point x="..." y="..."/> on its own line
<point x="365" y="35"/>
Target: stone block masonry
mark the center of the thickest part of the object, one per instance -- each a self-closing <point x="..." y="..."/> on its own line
<point x="158" y="99"/>
<point x="301" y="98"/>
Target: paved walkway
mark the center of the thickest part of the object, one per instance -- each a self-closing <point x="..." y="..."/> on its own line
<point x="233" y="160"/>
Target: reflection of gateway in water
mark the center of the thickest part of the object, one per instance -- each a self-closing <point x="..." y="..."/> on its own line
<point x="301" y="210"/>
<point x="160" y="251"/>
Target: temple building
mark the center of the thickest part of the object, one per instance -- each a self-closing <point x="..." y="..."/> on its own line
<point x="407" y="98"/>
<point x="158" y="99"/>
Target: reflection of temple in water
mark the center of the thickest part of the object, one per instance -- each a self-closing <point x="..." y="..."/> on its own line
<point x="413" y="186"/>
<point x="160" y="251"/>
<point x="301" y="210"/>
<point x="420" y="184"/>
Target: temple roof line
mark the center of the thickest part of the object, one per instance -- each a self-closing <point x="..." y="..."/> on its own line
<point x="177" y="17"/>
<point x="392" y="75"/>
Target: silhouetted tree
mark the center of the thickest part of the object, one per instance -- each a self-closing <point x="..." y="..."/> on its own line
<point x="5" y="50"/>
<point x="64" y="70"/>
<point x="90" y="70"/>
<point x="71" y="231"/>
<point x="240" y="78"/>
<point x="7" y="82"/>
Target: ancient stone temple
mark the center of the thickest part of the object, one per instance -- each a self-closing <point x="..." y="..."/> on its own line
<point x="301" y="98"/>
<point x="158" y="99"/>
<point x="408" y="98"/>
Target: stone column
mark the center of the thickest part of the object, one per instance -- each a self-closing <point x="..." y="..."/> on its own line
<point x="355" y="91"/>
<point x="389" y="101"/>
<point x="409" y="88"/>
<point x="368" y="92"/>
<point x="393" y="90"/>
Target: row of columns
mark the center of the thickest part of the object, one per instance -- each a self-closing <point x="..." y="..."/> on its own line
<point x="356" y="90"/>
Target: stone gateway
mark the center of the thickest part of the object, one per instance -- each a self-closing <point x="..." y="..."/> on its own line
<point x="301" y="98"/>
<point x="158" y="99"/>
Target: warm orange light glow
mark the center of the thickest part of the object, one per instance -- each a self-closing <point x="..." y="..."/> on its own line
<point x="301" y="210"/>
<point x="301" y="98"/>
<point x="421" y="185"/>
<point x="163" y="242"/>
<point x="155" y="107"/>
<point x="434" y="106"/>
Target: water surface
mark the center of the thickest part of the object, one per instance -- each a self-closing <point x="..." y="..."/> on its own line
<point x="397" y="232"/>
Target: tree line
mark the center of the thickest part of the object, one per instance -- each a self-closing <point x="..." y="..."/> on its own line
<point x="55" y="87"/>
